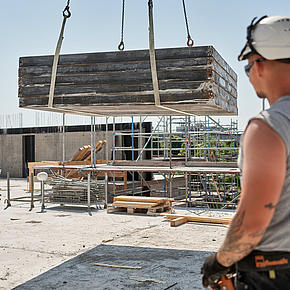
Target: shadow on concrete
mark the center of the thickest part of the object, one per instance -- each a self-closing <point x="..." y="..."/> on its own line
<point x="160" y="269"/>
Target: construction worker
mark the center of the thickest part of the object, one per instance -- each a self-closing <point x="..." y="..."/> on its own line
<point x="257" y="244"/>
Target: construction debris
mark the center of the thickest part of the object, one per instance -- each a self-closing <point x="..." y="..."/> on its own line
<point x="66" y="190"/>
<point x="141" y="204"/>
<point x="83" y="154"/>
<point x="117" y="266"/>
<point x="147" y="280"/>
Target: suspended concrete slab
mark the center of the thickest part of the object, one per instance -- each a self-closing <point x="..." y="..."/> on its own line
<point x="195" y="80"/>
<point x="132" y="268"/>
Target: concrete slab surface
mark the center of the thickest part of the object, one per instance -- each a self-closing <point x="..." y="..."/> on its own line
<point x="160" y="269"/>
<point x="32" y="243"/>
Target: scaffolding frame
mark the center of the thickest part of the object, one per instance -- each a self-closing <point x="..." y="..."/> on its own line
<point x="195" y="133"/>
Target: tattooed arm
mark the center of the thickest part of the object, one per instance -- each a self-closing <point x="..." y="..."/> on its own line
<point x="264" y="168"/>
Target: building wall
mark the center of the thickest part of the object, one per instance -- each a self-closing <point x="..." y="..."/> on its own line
<point x="11" y="155"/>
<point x="49" y="145"/>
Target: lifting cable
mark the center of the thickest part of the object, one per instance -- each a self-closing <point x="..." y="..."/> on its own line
<point x="189" y="39"/>
<point x="121" y="45"/>
<point x="66" y="14"/>
<point x="153" y="64"/>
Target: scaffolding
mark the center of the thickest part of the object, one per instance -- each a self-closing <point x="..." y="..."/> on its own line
<point x="185" y="140"/>
<point x="191" y="159"/>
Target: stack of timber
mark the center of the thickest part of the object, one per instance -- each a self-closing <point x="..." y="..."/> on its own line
<point x="141" y="204"/>
<point x="195" y="80"/>
<point x="83" y="154"/>
<point x="75" y="191"/>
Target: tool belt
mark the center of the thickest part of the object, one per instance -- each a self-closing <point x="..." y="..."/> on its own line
<point x="264" y="261"/>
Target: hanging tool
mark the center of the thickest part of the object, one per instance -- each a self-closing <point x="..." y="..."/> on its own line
<point x="226" y="282"/>
<point x="66" y="14"/>
<point x="121" y="45"/>
<point x="190" y="42"/>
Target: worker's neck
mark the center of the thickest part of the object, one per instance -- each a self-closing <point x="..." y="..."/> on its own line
<point x="278" y="90"/>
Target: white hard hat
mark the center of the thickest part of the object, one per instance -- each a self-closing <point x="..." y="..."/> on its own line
<point x="268" y="37"/>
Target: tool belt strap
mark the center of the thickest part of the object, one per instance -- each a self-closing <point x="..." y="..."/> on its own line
<point x="264" y="261"/>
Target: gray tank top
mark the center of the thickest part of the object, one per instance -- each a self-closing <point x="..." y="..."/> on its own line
<point x="277" y="235"/>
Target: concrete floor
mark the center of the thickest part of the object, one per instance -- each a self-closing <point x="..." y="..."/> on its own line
<point x="56" y="249"/>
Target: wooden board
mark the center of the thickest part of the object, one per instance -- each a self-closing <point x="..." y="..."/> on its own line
<point x="158" y="200"/>
<point x="195" y="80"/>
<point x="178" y="221"/>
<point x="198" y="219"/>
<point x="134" y="204"/>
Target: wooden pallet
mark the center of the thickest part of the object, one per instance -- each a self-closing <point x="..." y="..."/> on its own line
<point x="141" y="204"/>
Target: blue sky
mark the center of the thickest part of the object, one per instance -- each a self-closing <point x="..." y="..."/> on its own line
<point x="31" y="27"/>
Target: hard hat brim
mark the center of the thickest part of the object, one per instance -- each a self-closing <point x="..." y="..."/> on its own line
<point x="245" y="53"/>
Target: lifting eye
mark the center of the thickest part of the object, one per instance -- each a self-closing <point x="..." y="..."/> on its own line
<point x="190" y="42"/>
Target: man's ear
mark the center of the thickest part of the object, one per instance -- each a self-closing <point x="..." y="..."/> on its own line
<point x="260" y="67"/>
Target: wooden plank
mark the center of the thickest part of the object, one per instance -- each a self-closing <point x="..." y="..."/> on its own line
<point x="200" y="74"/>
<point x="134" y="204"/>
<point x="118" y="266"/>
<point x="112" y="67"/>
<point x="199" y="219"/>
<point x="178" y="221"/>
<point x="116" y="56"/>
<point x="142" y="199"/>
<point x="60" y="89"/>
<point x="137" y="56"/>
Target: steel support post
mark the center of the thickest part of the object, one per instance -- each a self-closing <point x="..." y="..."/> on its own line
<point x="107" y="143"/>
<point x="170" y="155"/>
<point x="186" y="187"/>
<point x="106" y="189"/>
<point x="92" y="143"/>
<point x="42" y="196"/>
<point x="63" y="140"/>
<point x="89" y="192"/>
<point x="114" y="154"/>
<point x="32" y="191"/>
<point x="133" y="155"/>
<point x="8" y="190"/>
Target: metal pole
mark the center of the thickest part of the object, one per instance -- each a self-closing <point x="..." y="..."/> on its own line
<point x="170" y="155"/>
<point x="186" y="186"/>
<point x="89" y="191"/>
<point x="63" y="139"/>
<point x="114" y="139"/>
<point x="107" y="143"/>
<point x="94" y="136"/>
<point x="170" y="142"/>
<point x="114" y="154"/>
<point x="140" y="147"/>
<point x="186" y="139"/>
<point x="106" y="189"/>
<point x="32" y="191"/>
<point x="92" y="143"/>
<point x="42" y="196"/>
<point x="8" y="190"/>
<point x="190" y="188"/>
<point x="133" y="176"/>
<point x="141" y="138"/>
